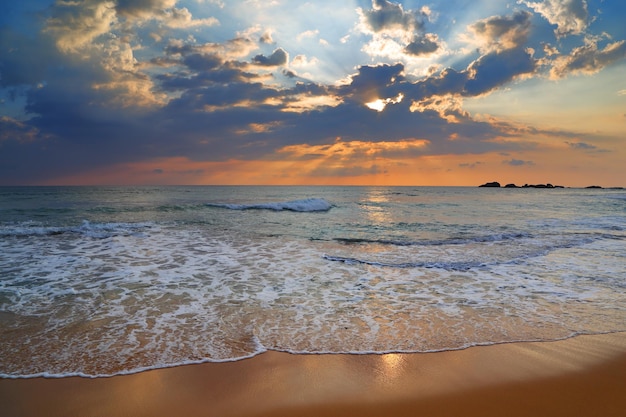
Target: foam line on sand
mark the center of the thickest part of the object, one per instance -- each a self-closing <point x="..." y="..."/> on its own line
<point x="583" y="376"/>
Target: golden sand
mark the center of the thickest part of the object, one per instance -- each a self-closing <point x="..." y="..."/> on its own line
<point x="582" y="376"/>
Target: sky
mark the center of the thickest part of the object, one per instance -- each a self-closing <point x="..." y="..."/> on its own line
<point x="313" y="92"/>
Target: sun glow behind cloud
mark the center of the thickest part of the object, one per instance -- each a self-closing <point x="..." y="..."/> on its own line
<point x="380" y="104"/>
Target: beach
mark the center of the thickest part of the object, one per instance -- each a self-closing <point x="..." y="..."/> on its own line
<point x="582" y="376"/>
<point x="335" y="301"/>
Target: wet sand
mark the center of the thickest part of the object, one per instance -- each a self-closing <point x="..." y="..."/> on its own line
<point x="582" y="376"/>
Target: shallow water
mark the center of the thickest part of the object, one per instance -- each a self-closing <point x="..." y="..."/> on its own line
<point x="101" y="281"/>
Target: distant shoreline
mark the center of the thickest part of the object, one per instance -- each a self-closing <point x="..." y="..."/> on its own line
<point x="496" y="184"/>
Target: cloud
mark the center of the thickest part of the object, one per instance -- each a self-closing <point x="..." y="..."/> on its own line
<point x="266" y="37"/>
<point x="143" y="9"/>
<point x="518" y="163"/>
<point x="209" y="63"/>
<point x="497" y="68"/>
<point x="423" y="46"/>
<point x="278" y="57"/>
<point x="93" y="44"/>
<point x="218" y="3"/>
<point x="218" y="92"/>
<point x="341" y="169"/>
<point x="232" y="49"/>
<point x="586" y="147"/>
<point x="571" y="17"/>
<point x="302" y="61"/>
<point x="17" y="131"/>
<point x="355" y="151"/>
<point x="397" y="32"/>
<point x="99" y="91"/>
<point x="75" y="25"/>
<point x="307" y="34"/>
<point x="502" y="32"/>
<point x="471" y="165"/>
<point x="448" y="106"/>
<point x="581" y="145"/>
<point x="202" y="62"/>
<point x="588" y="59"/>
<point x="549" y="50"/>
<point x="482" y="76"/>
<point x="182" y="19"/>
<point x="390" y="18"/>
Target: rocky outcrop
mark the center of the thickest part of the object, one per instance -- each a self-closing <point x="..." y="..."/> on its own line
<point x="542" y="186"/>
<point x="494" y="184"/>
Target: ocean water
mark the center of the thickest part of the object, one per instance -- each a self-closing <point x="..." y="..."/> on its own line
<point x="99" y="281"/>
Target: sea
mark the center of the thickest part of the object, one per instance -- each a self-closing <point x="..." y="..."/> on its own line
<point x="102" y="281"/>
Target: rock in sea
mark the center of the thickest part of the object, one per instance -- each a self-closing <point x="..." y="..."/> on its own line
<point x="495" y="184"/>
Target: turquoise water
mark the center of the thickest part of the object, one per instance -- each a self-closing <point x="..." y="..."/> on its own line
<point x="101" y="281"/>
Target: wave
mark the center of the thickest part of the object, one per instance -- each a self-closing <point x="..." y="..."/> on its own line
<point x="313" y="351"/>
<point x="449" y="266"/>
<point x="304" y="205"/>
<point x="486" y="256"/>
<point x="450" y="241"/>
<point x="93" y="230"/>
